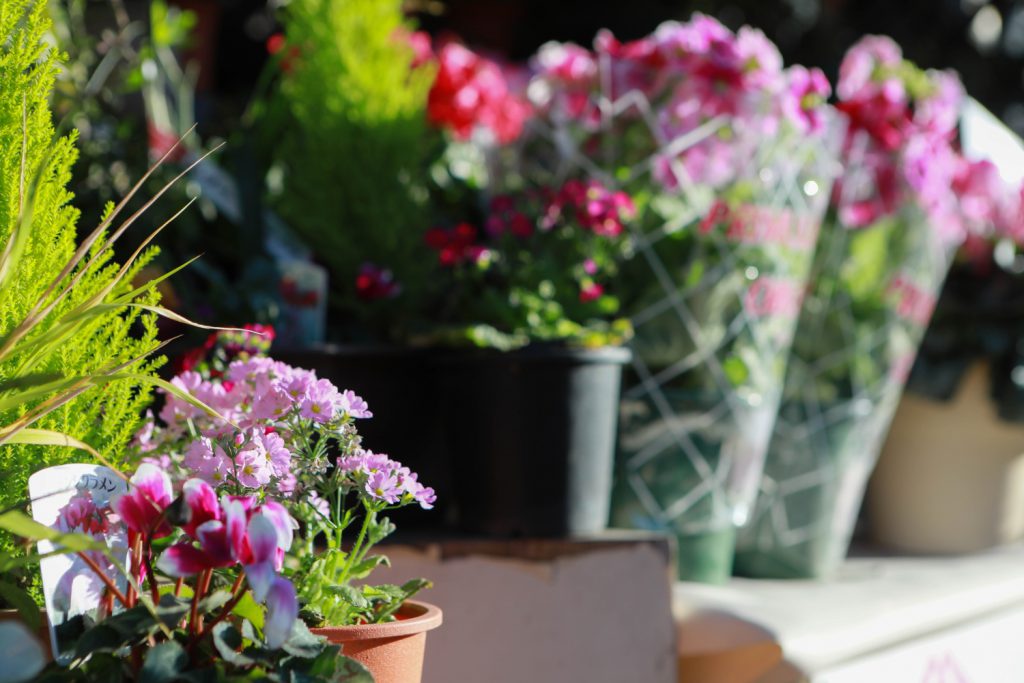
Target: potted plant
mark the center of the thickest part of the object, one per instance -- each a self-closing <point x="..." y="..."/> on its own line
<point x="344" y="139"/>
<point x="729" y="158"/>
<point x="892" y="230"/>
<point x="526" y="304"/>
<point x="966" y="493"/>
<point x="285" y="433"/>
<point x="235" y="619"/>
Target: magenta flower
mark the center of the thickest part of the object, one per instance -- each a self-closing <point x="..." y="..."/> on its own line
<point x="201" y="505"/>
<point x="805" y="97"/>
<point x="142" y="508"/>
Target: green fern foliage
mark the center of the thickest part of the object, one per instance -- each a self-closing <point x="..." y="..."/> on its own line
<point x="349" y="135"/>
<point x="35" y="168"/>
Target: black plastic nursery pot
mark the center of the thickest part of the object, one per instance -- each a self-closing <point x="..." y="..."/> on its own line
<point x="400" y="386"/>
<point x="531" y="435"/>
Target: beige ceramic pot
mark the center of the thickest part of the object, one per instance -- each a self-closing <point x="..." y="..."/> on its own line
<point x="951" y="476"/>
<point x="393" y="652"/>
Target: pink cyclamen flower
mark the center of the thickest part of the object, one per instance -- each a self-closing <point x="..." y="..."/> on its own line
<point x="248" y="534"/>
<point x="142" y="508"/>
<point x="201" y="505"/>
<point x="282" y="611"/>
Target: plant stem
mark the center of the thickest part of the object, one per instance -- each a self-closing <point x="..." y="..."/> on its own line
<point x="177" y="586"/>
<point x="237" y="591"/>
<point x="115" y="591"/>
<point x="202" y="583"/>
<point x="147" y="562"/>
<point x="350" y="561"/>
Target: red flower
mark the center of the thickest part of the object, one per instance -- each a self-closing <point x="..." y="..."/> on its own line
<point x="470" y="91"/>
<point x="590" y="291"/>
<point x="374" y="283"/>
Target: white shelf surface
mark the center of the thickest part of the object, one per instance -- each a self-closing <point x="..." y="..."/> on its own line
<point x="877" y="604"/>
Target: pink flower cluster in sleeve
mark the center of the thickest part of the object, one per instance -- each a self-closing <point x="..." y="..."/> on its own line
<point x="470" y="93"/>
<point x="687" y="75"/>
<point x="899" y="150"/>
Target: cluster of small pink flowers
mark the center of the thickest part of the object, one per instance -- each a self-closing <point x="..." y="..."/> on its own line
<point x="470" y="93"/>
<point x="264" y="403"/>
<point x="382" y="480"/>
<point x="688" y="74"/>
<point x="592" y="206"/>
<point x="901" y="129"/>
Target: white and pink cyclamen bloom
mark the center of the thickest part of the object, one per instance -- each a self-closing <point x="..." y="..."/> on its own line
<point x="237" y="530"/>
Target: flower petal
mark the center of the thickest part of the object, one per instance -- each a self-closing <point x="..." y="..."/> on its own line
<point x="214" y="543"/>
<point x="235" y="523"/>
<point x="201" y="504"/>
<point x="282" y="611"/>
<point x="282" y="521"/>
<point x="183" y="559"/>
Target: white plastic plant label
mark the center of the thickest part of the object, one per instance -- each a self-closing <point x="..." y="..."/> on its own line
<point x="76" y="499"/>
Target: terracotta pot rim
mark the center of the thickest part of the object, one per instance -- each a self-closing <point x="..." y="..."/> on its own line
<point x="426" y="618"/>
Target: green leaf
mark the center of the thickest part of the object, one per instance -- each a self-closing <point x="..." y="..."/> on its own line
<point x="351" y="595"/>
<point x="100" y="638"/>
<point x="228" y="641"/>
<point x="23" y="602"/>
<point x="363" y="569"/>
<point x="164" y="663"/>
<point x="20" y="524"/>
<point x="46" y="437"/>
<point x="171" y="610"/>
<point x="248" y="609"/>
<point x="302" y="642"/>
<point x="214" y="601"/>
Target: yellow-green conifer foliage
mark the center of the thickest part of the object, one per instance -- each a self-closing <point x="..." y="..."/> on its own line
<point x="35" y="167"/>
<point x="349" y="131"/>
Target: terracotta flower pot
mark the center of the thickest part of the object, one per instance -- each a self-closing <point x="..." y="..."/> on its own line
<point x="393" y="652"/>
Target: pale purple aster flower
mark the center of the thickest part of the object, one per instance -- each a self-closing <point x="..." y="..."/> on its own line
<point x="278" y="456"/>
<point x="270" y="403"/>
<point x="319" y="504"/>
<point x="319" y="403"/>
<point x="353" y="404"/>
<point x="298" y="385"/>
<point x="384" y="485"/>
<point x="252" y="466"/>
<point x="205" y="461"/>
